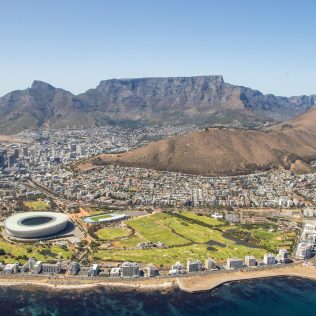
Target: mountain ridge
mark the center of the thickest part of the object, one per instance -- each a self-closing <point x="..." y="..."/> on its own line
<point x="200" y="100"/>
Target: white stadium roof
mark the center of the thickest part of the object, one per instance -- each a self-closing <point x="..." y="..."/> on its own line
<point x="35" y="224"/>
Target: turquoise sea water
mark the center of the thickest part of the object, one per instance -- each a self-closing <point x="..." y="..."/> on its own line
<point x="278" y="296"/>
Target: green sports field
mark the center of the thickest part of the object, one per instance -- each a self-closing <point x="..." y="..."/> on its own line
<point x="112" y="233"/>
<point x="99" y="217"/>
<point x="188" y="235"/>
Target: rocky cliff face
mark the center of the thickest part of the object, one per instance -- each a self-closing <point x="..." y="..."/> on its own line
<point x="180" y="100"/>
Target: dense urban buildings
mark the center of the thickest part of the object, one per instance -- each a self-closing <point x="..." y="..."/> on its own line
<point x="40" y="164"/>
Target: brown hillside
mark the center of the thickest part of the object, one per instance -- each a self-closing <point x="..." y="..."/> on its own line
<point x="221" y="151"/>
<point x="306" y="121"/>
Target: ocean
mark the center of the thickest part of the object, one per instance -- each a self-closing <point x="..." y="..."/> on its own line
<point x="274" y="296"/>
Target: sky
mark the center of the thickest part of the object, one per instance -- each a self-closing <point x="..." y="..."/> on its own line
<point x="268" y="45"/>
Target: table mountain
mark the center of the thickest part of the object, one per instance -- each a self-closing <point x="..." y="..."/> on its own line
<point x="202" y="100"/>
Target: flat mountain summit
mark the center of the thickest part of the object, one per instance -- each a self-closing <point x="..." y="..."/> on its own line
<point x="200" y="100"/>
<point x="226" y="151"/>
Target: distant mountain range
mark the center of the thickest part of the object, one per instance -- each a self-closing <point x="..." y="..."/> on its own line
<point x="226" y="151"/>
<point x="202" y="100"/>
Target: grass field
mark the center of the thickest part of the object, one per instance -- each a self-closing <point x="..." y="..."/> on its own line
<point x="14" y="252"/>
<point x="112" y="233"/>
<point x="103" y="216"/>
<point x="204" y="219"/>
<point x="192" y="236"/>
<point x="155" y="228"/>
<point x="171" y="255"/>
<point x="274" y="240"/>
<point x="37" y="205"/>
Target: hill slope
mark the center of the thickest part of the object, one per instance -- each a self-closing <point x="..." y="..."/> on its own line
<point x="223" y="151"/>
<point x="163" y="101"/>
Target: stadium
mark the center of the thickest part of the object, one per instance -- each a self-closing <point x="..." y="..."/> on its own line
<point x="110" y="217"/>
<point x="35" y="224"/>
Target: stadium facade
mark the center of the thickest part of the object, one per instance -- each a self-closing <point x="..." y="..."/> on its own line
<point x="35" y="224"/>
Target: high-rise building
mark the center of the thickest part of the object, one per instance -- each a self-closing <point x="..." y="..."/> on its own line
<point x="151" y="271"/>
<point x="93" y="270"/>
<point x="210" y="264"/>
<point x="250" y="261"/>
<point x="54" y="268"/>
<point x="234" y="263"/>
<point x="37" y="268"/>
<point x="130" y="269"/>
<point x="304" y="250"/>
<point x="25" y="151"/>
<point x="268" y="259"/>
<point x="194" y="265"/>
<point x="2" y="159"/>
<point x="74" y="268"/>
<point x="284" y="255"/>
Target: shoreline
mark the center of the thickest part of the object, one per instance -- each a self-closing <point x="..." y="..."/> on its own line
<point x="62" y="286"/>
<point x="189" y="284"/>
<point x="208" y="283"/>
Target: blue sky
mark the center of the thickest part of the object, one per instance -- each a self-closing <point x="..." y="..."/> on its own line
<point x="269" y="45"/>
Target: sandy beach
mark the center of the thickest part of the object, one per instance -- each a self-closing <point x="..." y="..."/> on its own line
<point x="208" y="282"/>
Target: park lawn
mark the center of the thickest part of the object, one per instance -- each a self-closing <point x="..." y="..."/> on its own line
<point x="155" y="256"/>
<point x="177" y="233"/>
<point x="127" y="242"/>
<point x="152" y="228"/>
<point x="171" y="255"/>
<point x="205" y="219"/>
<point x="192" y="232"/>
<point x="111" y="233"/>
<point x="38" y="205"/>
<point x="60" y="252"/>
<point x="39" y="252"/>
<point x="274" y="240"/>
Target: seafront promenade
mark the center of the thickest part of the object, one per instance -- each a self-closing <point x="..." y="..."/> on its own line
<point x="191" y="283"/>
